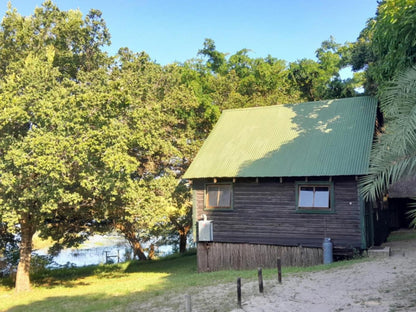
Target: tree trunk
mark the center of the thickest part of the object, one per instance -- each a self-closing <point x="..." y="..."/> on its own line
<point x="23" y="268"/>
<point x="138" y="250"/>
<point x="183" y="238"/>
<point x="129" y="233"/>
<point x="151" y="255"/>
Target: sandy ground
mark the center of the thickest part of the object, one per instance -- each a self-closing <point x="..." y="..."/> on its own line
<point x="380" y="284"/>
<point x="385" y="284"/>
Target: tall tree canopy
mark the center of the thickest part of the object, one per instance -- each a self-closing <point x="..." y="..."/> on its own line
<point x="52" y="171"/>
<point x="321" y="79"/>
<point x="163" y="119"/>
<point x="387" y="45"/>
<point x="77" y="41"/>
<point x="242" y="81"/>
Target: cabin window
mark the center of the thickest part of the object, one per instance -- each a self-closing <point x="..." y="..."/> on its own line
<point x="218" y="196"/>
<point x="314" y="197"/>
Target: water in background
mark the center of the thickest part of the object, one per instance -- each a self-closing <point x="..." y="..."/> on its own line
<point x="99" y="249"/>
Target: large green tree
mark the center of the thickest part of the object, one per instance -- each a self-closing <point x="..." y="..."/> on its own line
<point x="77" y="40"/>
<point x="55" y="174"/>
<point x="65" y="157"/>
<point x="165" y="120"/>
<point x="387" y="45"/>
<point x="242" y="81"/>
<point x="320" y="79"/>
<point x="34" y="154"/>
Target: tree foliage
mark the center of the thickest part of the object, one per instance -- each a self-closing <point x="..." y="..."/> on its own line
<point x="162" y="119"/>
<point x="394" y="154"/>
<point x="49" y="161"/>
<point x="317" y="80"/>
<point x="77" y="42"/>
<point x="242" y="81"/>
<point x="63" y="152"/>
<point x="387" y="45"/>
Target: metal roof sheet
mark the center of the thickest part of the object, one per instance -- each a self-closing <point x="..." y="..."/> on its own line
<point x="323" y="138"/>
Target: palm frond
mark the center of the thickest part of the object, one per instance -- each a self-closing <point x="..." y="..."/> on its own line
<point x="394" y="154"/>
<point x="386" y="171"/>
<point x="412" y="213"/>
<point x="399" y="95"/>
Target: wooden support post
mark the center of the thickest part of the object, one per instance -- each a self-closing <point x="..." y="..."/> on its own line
<point x="260" y="275"/>
<point x="207" y="249"/>
<point x="239" y="292"/>
<point x="279" y="270"/>
<point x="188" y="303"/>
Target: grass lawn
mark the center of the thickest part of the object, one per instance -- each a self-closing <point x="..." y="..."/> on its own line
<point x="402" y="235"/>
<point x="115" y="287"/>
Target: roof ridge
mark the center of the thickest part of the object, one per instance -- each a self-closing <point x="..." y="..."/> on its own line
<point x="291" y="104"/>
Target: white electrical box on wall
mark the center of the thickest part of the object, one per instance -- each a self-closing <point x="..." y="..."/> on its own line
<point x="205" y="231"/>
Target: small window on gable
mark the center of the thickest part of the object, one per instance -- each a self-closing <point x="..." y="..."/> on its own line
<point x="218" y="196"/>
<point x="314" y="197"/>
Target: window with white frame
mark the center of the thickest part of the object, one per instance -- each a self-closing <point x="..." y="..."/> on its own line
<point x="314" y="197"/>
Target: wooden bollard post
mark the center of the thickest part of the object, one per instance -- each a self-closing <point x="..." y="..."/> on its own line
<point x="188" y="303"/>
<point x="279" y="270"/>
<point x="106" y="256"/>
<point x="260" y="275"/>
<point x="239" y="292"/>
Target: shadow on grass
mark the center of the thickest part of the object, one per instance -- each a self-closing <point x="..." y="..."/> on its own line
<point x="145" y="280"/>
<point x="95" y="302"/>
<point x="173" y="263"/>
<point x="67" y="276"/>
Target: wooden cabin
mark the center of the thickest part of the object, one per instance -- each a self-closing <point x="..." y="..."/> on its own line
<point x="275" y="181"/>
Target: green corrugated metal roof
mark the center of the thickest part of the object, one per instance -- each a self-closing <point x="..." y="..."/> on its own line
<point x="325" y="138"/>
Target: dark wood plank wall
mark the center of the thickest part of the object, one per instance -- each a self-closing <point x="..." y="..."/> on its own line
<point x="265" y="213"/>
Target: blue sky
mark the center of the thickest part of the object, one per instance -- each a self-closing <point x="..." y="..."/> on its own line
<point x="175" y="30"/>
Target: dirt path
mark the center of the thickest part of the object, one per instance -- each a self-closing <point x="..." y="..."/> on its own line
<point x="381" y="284"/>
<point x="385" y="284"/>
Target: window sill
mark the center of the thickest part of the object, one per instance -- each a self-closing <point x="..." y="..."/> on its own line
<point x="313" y="211"/>
<point x="218" y="209"/>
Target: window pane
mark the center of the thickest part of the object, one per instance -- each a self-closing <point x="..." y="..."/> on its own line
<point x="212" y="192"/>
<point x="305" y="196"/>
<point x="219" y="196"/>
<point x="224" y="197"/>
<point x="321" y="197"/>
